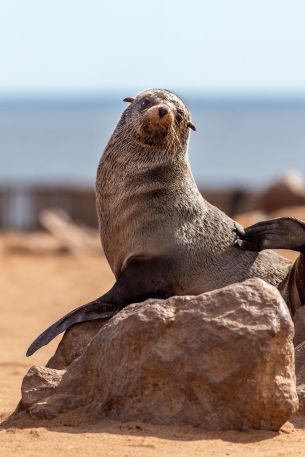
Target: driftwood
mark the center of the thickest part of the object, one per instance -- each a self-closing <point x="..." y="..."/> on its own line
<point x="32" y="243"/>
<point x="61" y="235"/>
<point x="75" y="237"/>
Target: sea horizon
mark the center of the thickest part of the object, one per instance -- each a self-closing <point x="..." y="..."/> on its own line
<point x="242" y="140"/>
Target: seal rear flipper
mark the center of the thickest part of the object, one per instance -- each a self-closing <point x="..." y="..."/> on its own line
<point x="96" y="309"/>
<point x="140" y="280"/>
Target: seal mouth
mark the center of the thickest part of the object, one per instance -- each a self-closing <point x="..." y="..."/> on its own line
<point x="156" y="123"/>
<point x="157" y="119"/>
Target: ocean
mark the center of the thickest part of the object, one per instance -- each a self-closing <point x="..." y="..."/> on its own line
<point x="238" y="142"/>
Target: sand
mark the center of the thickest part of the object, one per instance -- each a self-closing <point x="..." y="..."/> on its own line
<point x="37" y="289"/>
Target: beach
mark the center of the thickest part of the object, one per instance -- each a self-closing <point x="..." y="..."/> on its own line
<point x="37" y="289"/>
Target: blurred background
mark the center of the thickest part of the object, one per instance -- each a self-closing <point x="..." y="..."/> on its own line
<point x="67" y="65"/>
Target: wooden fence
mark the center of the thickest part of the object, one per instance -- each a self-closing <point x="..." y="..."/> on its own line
<point x="20" y="205"/>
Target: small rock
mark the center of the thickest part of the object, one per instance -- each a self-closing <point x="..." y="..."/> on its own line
<point x="300" y="363"/>
<point x="287" y="191"/>
<point x="300" y="374"/>
<point x="299" y="326"/>
<point x="40" y="383"/>
<point x="301" y="395"/>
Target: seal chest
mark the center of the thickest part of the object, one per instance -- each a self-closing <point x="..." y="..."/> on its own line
<point x="140" y="178"/>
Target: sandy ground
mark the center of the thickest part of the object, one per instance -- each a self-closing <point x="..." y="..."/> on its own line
<point x="37" y="289"/>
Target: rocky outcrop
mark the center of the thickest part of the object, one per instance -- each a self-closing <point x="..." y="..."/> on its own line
<point x="220" y="360"/>
<point x="286" y="192"/>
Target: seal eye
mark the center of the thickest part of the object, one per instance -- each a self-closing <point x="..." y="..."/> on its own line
<point x="179" y="116"/>
<point x="144" y="103"/>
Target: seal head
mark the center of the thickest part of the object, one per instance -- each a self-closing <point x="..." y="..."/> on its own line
<point x="158" y="117"/>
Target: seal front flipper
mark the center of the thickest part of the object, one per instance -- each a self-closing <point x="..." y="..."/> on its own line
<point x="96" y="309"/>
<point x="142" y="279"/>
<point x="280" y="233"/>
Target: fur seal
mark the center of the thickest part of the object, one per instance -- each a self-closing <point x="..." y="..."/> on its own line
<point x="160" y="237"/>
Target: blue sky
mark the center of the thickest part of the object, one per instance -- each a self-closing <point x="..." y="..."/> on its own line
<point x="94" y="46"/>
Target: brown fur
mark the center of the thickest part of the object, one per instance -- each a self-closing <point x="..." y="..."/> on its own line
<point x="160" y="237"/>
<point x="148" y="205"/>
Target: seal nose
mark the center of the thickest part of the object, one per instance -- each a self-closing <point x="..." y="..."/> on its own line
<point x="162" y="111"/>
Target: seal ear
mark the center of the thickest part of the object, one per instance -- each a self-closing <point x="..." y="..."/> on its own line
<point x="128" y="99"/>
<point x="191" y="126"/>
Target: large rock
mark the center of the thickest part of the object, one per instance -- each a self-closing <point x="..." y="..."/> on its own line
<point x="220" y="360"/>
